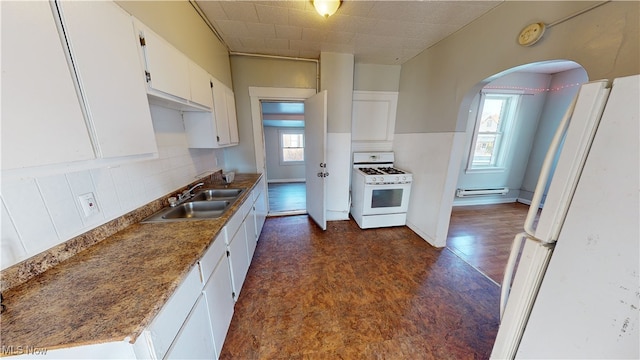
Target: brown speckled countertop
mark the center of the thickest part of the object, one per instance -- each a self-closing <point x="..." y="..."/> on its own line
<point x="114" y="289"/>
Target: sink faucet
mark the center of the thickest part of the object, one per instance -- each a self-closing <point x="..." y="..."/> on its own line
<point x="187" y="193"/>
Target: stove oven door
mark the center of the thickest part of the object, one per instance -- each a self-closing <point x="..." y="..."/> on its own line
<point x="386" y="199"/>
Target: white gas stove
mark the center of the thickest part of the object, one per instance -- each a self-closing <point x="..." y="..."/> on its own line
<point x="380" y="192"/>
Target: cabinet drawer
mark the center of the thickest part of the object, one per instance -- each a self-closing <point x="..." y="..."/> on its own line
<point x="212" y="256"/>
<point x="166" y="325"/>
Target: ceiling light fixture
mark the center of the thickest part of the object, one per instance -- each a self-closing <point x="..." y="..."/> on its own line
<point x="326" y="8"/>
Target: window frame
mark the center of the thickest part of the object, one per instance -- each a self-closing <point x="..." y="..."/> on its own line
<point x="281" y="148"/>
<point x="505" y="132"/>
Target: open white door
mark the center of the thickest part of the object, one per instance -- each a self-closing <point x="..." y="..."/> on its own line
<point x="315" y="135"/>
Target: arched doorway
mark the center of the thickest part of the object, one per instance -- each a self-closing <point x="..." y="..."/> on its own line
<point x="509" y="121"/>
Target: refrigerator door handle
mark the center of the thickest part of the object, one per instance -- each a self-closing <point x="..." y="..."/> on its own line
<point x="545" y="171"/>
<point x="510" y="269"/>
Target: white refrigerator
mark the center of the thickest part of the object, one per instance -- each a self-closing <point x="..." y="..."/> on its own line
<point x="576" y="291"/>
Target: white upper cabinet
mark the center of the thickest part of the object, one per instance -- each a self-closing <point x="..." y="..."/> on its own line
<point x="167" y="68"/>
<point x="200" y="85"/>
<point x="174" y="81"/>
<point x="373" y="120"/>
<point x="214" y="129"/>
<point x="232" y="117"/>
<point x="103" y="47"/>
<point x="42" y="120"/>
<point x="221" y="113"/>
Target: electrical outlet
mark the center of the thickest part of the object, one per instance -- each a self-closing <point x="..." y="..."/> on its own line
<point x="89" y="204"/>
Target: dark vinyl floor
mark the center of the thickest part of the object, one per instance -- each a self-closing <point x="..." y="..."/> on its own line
<point x="287" y="197"/>
<point x="482" y="235"/>
<point x="348" y="293"/>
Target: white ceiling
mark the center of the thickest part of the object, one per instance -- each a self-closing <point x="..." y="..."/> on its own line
<point x="376" y="32"/>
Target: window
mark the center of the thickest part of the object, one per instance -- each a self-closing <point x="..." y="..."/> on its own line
<point x="291" y="147"/>
<point x="492" y="132"/>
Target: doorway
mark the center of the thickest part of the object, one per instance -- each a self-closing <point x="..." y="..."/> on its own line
<point x="284" y="143"/>
<point x="505" y="156"/>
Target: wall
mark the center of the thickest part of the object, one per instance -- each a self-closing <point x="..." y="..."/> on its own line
<point x="276" y="171"/>
<point x="375" y="77"/>
<point x="41" y="212"/>
<point x="261" y="72"/>
<point x="179" y="23"/>
<point x="337" y="78"/>
<point x="526" y="122"/>
<point x="40" y="208"/>
<point x="433" y="85"/>
<point x="558" y="100"/>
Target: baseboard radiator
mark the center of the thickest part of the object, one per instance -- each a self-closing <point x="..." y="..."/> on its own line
<point x="481" y="192"/>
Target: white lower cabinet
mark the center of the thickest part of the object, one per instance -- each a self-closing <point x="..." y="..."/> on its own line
<point x="238" y="260"/>
<point x="260" y="206"/>
<point x="195" y="339"/>
<point x="193" y="323"/>
<point x="162" y="332"/>
<point x="252" y="240"/>
<point x="219" y="294"/>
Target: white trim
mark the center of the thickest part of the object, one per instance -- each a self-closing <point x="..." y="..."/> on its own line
<point x="503" y="91"/>
<point x="486" y="170"/>
<point x="482" y="201"/>
<point x="256" y="94"/>
<point x="283" y="131"/>
<point x="506" y="133"/>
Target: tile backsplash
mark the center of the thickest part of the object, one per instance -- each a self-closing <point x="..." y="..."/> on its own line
<point x="43" y="211"/>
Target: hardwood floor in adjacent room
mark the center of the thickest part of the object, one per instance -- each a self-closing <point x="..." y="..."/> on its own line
<point x="348" y="293"/>
<point x="482" y="235"/>
<point x="287" y="198"/>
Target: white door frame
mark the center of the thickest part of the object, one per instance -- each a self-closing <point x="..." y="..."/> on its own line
<point x="256" y="94"/>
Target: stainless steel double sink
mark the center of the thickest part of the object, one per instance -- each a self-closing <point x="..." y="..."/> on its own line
<point x="205" y="204"/>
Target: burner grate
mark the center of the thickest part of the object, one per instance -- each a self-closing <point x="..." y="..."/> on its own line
<point x="391" y="170"/>
<point x="371" y="171"/>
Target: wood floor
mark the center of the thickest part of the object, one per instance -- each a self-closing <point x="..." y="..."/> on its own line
<point x="482" y="235"/>
<point x="348" y="293"/>
<point x="285" y="198"/>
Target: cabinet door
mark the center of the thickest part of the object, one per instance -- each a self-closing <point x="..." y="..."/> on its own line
<point x="168" y="67"/>
<point x="238" y="260"/>
<point x="232" y="120"/>
<point x="200" y="84"/>
<point x="104" y="50"/>
<point x="373" y="119"/>
<point x="194" y="341"/>
<point x="221" y="113"/>
<point x="165" y="327"/>
<point x="219" y="294"/>
<point x="252" y="240"/>
<point x="42" y="119"/>
<point x="261" y="210"/>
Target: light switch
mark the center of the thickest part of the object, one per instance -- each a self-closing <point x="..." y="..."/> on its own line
<point x="89" y="204"/>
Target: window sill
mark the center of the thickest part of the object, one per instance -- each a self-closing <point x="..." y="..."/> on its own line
<point x="287" y="163"/>
<point x="486" y="170"/>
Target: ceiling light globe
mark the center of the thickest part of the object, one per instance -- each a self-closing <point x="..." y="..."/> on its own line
<point x="326" y="8"/>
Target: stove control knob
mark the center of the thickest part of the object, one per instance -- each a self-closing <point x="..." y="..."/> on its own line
<point x="373" y="179"/>
<point x="404" y="178"/>
<point x="397" y="178"/>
